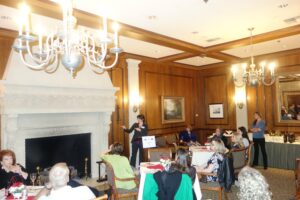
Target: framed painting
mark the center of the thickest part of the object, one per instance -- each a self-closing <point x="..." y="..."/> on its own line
<point x="172" y="109"/>
<point x="216" y="111"/>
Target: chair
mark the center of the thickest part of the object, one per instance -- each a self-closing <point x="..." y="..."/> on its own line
<point x="161" y="141"/>
<point x="117" y="193"/>
<point x="225" y="176"/>
<point x="103" y="197"/>
<point x="239" y="159"/>
<point x="297" y="178"/>
<point x="212" y="186"/>
<point x="171" y="138"/>
<point x="249" y="152"/>
<point x="155" y="154"/>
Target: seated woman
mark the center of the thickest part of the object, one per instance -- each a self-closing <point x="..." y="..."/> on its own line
<point x="253" y="185"/>
<point x="187" y="136"/>
<point x="183" y="164"/>
<point x="59" y="190"/>
<point x="219" y="134"/>
<point x="237" y="141"/>
<point x="242" y="130"/>
<point x="120" y="165"/>
<point x="10" y="172"/>
<point x="169" y="184"/>
<point x="213" y="163"/>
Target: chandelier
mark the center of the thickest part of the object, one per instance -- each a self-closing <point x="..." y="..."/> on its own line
<point x="68" y="45"/>
<point x="253" y="75"/>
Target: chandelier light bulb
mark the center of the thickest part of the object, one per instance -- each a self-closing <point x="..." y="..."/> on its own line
<point x="67" y="44"/>
<point x="254" y="75"/>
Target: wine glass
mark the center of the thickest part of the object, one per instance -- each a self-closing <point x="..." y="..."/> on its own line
<point x="32" y="178"/>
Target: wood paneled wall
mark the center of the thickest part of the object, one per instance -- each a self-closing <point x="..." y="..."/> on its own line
<point x="263" y="98"/>
<point x="157" y="80"/>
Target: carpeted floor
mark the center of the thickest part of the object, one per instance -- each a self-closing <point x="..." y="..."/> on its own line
<point x="282" y="185"/>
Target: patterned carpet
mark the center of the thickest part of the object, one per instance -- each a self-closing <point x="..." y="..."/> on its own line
<point x="282" y="185"/>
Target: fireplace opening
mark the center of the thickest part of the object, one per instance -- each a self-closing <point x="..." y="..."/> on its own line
<point x="71" y="149"/>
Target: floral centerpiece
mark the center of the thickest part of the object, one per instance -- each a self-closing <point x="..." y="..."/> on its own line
<point x="17" y="190"/>
<point x="165" y="162"/>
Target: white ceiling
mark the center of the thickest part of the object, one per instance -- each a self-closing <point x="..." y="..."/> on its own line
<point x="199" y="61"/>
<point x="223" y="19"/>
<point x="282" y="44"/>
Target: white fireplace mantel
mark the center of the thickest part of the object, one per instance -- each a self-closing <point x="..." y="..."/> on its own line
<point x="36" y="104"/>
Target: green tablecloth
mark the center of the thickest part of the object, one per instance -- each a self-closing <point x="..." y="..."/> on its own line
<point x="280" y="155"/>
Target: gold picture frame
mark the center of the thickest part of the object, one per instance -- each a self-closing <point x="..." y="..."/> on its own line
<point x="172" y="109"/>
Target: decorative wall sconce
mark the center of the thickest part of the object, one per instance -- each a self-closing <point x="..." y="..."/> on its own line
<point x="136" y="101"/>
<point x="240" y="98"/>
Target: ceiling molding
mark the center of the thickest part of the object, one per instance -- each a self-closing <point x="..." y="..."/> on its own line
<point x="179" y="56"/>
<point x="137" y="57"/>
<point x="53" y="10"/>
<point x="8" y="33"/>
<point x="285" y="32"/>
<point x="223" y="56"/>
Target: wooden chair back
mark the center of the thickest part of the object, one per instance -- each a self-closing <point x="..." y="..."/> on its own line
<point x="171" y="138"/>
<point x="154" y="154"/>
<point x="239" y="158"/>
<point x="111" y="179"/>
<point x="161" y="141"/>
<point x="103" y="197"/>
<point x="211" y="187"/>
<point x="249" y="152"/>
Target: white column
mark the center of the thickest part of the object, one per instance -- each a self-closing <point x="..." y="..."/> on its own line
<point x="241" y="113"/>
<point x="133" y="93"/>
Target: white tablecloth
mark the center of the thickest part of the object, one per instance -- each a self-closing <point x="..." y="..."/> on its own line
<point x="144" y="170"/>
<point x="200" y="155"/>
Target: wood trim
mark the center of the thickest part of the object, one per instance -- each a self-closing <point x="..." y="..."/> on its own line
<point x="138" y="57"/>
<point x="8" y="33"/>
<point x="179" y="56"/>
<point x="223" y="56"/>
<point x="272" y="35"/>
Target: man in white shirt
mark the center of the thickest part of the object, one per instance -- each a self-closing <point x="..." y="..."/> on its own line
<point x="59" y="190"/>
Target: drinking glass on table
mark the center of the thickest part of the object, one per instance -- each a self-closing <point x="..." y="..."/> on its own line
<point x="32" y="178"/>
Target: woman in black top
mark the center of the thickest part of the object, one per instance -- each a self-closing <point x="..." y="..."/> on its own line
<point x="140" y="130"/>
<point x="11" y="172"/>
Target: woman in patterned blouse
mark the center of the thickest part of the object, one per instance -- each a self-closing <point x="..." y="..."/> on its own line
<point x="215" y="160"/>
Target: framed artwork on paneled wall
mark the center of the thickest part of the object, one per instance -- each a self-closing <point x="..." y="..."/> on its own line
<point x="172" y="109"/>
<point x="216" y="111"/>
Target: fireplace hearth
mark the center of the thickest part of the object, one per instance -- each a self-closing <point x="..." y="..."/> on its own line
<point x="47" y="151"/>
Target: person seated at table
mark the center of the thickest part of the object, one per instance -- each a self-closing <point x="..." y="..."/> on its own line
<point x="253" y="185"/>
<point x="120" y="165"/>
<point x="220" y="134"/>
<point x="213" y="163"/>
<point x="169" y="184"/>
<point x="183" y="163"/>
<point x="58" y="188"/>
<point x="10" y="172"/>
<point x="187" y="136"/>
<point x="237" y="141"/>
<point x="246" y="141"/>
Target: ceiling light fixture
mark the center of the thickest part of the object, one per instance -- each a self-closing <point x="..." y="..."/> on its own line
<point x="68" y="45"/>
<point x="254" y="75"/>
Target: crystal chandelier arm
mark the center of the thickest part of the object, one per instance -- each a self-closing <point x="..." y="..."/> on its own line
<point x="91" y="54"/>
<point x="270" y="83"/>
<point x="40" y="60"/>
<point x="35" y="67"/>
<point x="110" y="66"/>
<point x="237" y="84"/>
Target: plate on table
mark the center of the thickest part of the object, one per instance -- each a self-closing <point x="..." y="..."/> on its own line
<point x="34" y="190"/>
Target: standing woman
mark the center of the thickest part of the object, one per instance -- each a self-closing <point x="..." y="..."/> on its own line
<point x="140" y="129"/>
<point x="258" y="130"/>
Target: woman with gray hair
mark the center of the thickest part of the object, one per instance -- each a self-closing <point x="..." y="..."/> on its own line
<point x="253" y="185"/>
<point x="59" y="190"/>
